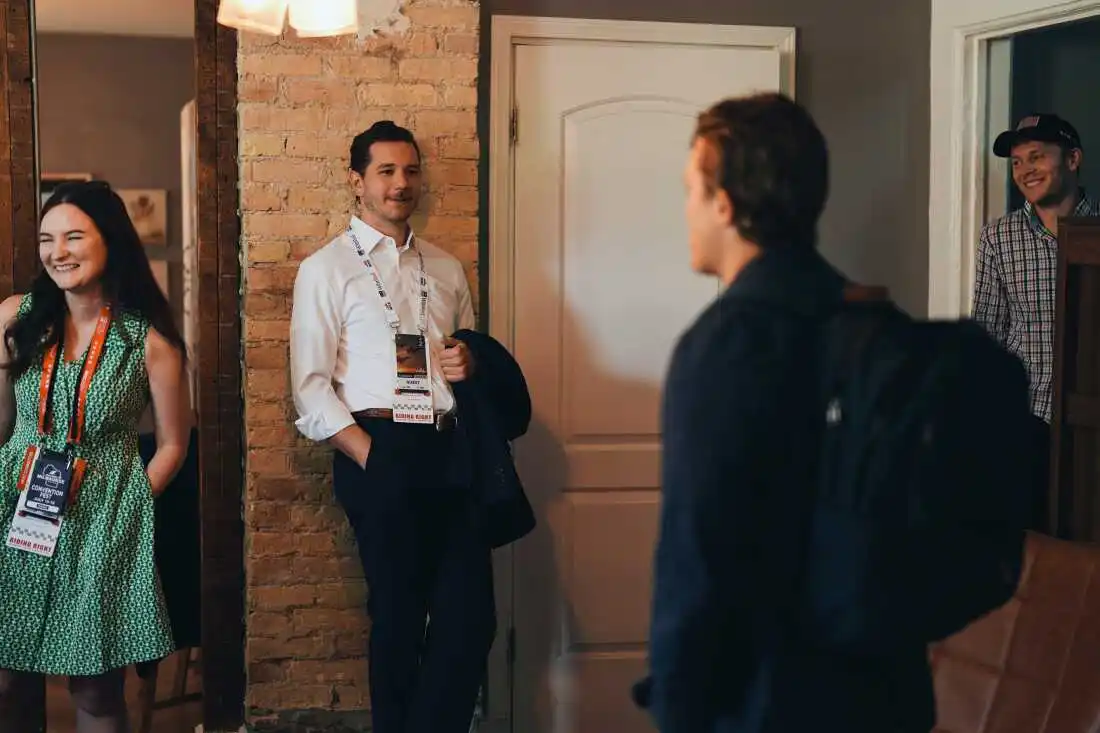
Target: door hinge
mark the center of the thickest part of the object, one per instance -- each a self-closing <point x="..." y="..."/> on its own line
<point x="511" y="646"/>
<point x="513" y="129"/>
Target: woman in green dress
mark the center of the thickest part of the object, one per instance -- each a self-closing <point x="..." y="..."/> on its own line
<point x="81" y="357"/>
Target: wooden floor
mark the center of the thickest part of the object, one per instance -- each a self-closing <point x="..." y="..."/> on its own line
<point x="60" y="717"/>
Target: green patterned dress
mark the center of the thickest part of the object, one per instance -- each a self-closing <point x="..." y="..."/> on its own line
<point x="96" y="605"/>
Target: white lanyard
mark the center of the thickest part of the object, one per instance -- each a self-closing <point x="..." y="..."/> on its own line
<point x="387" y="304"/>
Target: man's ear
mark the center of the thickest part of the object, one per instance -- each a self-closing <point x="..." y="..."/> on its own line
<point x="723" y="207"/>
<point x="1073" y="159"/>
<point x="356" y="182"/>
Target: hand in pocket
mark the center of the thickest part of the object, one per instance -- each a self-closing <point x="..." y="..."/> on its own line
<point x="366" y="456"/>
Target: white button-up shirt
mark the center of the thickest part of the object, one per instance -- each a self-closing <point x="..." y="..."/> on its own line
<point x="342" y="354"/>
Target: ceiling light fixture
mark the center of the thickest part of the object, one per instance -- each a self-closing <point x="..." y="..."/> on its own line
<point x="258" y="16"/>
<point x="314" y="18"/>
<point x="310" y="18"/>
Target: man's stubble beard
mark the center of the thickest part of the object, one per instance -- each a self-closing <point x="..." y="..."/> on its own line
<point x="1054" y="199"/>
<point x="374" y="212"/>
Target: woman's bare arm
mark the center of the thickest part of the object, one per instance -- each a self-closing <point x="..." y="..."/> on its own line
<point x="171" y="411"/>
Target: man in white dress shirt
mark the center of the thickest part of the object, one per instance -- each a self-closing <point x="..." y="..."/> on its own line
<point x="372" y="362"/>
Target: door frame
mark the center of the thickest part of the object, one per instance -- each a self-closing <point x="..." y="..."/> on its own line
<point x="960" y="40"/>
<point x="508" y="32"/>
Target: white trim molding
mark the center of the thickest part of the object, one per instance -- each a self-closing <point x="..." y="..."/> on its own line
<point x="511" y="31"/>
<point x="960" y="35"/>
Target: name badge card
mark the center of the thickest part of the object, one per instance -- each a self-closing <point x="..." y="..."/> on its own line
<point x="412" y="399"/>
<point x="32" y="533"/>
<point x="48" y="485"/>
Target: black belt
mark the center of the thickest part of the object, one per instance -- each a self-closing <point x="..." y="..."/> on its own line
<point x="444" y="421"/>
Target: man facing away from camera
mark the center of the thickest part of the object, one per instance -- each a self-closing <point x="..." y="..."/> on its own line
<point x="375" y="368"/>
<point x="741" y="426"/>
<point x="1017" y="265"/>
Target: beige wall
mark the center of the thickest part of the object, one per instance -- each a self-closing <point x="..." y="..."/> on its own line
<point x="162" y="18"/>
<point x="110" y="106"/>
<point x="302" y="101"/>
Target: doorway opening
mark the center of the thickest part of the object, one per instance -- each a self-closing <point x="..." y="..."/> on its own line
<point x="1040" y="71"/>
<point x="975" y="49"/>
<point x="114" y="100"/>
<point x="202" y="138"/>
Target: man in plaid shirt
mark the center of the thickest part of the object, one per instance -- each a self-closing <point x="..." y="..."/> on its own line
<point x="1017" y="263"/>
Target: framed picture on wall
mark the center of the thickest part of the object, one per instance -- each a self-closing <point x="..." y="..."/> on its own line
<point x="148" y="209"/>
<point x="50" y="181"/>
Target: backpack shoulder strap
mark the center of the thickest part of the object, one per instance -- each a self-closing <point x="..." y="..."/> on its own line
<point x="863" y="310"/>
<point x="857" y="293"/>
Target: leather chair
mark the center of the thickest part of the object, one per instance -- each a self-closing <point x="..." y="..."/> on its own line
<point x="1032" y="666"/>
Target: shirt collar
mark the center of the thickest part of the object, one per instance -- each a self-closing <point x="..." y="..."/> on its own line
<point x="370" y="237"/>
<point x="1085" y="207"/>
<point x="796" y="278"/>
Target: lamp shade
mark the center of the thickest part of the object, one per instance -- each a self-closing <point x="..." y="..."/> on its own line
<point x="259" y="16"/>
<point x="324" y="17"/>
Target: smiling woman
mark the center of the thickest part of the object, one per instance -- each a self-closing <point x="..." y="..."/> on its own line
<point x="96" y="326"/>
<point x="70" y="42"/>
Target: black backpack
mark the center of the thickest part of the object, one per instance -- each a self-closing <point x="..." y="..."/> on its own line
<point x="926" y="469"/>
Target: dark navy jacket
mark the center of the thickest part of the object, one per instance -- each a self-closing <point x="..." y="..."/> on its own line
<point x="740" y="426"/>
<point x="494" y="408"/>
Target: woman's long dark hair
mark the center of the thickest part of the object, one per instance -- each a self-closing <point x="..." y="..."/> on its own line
<point x="128" y="281"/>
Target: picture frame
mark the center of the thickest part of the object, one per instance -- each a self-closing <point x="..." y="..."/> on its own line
<point x="148" y="209"/>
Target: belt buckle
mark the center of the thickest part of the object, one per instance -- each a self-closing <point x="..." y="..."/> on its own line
<point x="445" y="421"/>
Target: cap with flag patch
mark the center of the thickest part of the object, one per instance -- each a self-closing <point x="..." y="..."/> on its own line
<point x="1045" y="128"/>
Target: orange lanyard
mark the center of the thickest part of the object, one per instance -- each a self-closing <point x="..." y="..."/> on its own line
<point x="87" y="371"/>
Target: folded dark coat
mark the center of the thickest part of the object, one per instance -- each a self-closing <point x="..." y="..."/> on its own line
<point x="494" y="408"/>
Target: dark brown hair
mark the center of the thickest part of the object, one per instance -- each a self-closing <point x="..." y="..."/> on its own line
<point x="383" y="131"/>
<point x="768" y="155"/>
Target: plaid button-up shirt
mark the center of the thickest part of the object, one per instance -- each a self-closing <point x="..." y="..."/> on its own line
<point x="1014" y="292"/>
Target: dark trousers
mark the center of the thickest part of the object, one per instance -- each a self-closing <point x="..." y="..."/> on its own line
<point x="423" y="556"/>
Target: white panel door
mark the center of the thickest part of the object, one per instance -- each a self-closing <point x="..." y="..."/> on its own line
<point x="602" y="290"/>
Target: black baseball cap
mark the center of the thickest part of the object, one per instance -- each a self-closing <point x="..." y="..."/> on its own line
<point x="1044" y="128"/>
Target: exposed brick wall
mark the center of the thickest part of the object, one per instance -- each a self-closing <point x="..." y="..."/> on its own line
<point x="18" y="208"/>
<point x="301" y="102"/>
